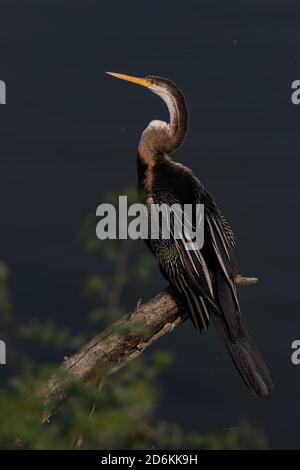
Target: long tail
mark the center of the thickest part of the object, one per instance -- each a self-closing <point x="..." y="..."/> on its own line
<point x="246" y="357"/>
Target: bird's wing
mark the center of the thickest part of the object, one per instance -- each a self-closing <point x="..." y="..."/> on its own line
<point x="220" y="241"/>
<point x="206" y="277"/>
<point x="186" y="269"/>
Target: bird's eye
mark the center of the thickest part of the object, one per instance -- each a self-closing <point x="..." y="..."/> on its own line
<point x="150" y="80"/>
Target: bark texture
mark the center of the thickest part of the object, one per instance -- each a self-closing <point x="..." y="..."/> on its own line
<point x="122" y="342"/>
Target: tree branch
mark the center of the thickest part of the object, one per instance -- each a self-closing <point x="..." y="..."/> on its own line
<point x="122" y="342"/>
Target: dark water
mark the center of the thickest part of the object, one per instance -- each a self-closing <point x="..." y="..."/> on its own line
<point x="69" y="133"/>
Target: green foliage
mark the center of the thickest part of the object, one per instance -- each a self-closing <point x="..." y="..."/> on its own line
<point x="144" y="269"/>
<point x="244" y="437"/>
<point x="123" y="409"/>
<point x="48" y="333"/>
<point x="123" y="417"/>
<point x="95" y="285"/>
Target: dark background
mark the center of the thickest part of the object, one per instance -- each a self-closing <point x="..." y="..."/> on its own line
<point x="69" y="133"/>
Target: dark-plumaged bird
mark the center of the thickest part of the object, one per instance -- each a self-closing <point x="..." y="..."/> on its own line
<point x="204" y="278"/>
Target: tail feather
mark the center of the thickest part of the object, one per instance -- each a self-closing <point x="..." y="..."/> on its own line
<point x="246" y="358"/>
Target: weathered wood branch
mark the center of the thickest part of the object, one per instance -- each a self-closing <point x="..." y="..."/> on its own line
<point x="122" y="342"/>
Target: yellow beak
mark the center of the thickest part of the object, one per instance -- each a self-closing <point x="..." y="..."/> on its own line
<point x="138" y="81"/>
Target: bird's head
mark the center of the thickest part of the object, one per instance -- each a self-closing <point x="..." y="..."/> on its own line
<point x="160" y="136"/>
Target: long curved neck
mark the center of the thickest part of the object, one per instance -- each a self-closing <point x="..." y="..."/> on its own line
<point x="178" y="119"/>
<point x="161" y="137"/>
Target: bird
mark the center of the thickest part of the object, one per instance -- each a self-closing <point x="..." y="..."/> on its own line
<point x="204" y="278"/>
